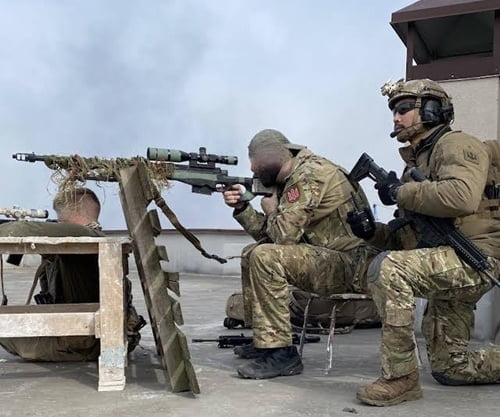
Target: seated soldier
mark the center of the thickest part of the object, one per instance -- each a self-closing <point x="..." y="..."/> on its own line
<point x="302" y="239"/>
<point x="68" y="279"/>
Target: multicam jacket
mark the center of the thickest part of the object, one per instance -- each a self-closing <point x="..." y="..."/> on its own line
<point x="456" y="165"/>
<point x="312" y="209"/>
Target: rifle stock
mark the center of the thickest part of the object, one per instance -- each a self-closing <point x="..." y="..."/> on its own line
<point x="367" y="168"/>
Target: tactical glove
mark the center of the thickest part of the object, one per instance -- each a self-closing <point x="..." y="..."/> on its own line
<point x="362" y="223"/>
<point x="388" y="189"/>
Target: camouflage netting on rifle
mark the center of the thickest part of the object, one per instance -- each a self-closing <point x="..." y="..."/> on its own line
<point x="74" y="168"/>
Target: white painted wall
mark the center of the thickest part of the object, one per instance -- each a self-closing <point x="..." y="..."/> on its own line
<point x="477" y="112"/>
<point x="476" y="104"/>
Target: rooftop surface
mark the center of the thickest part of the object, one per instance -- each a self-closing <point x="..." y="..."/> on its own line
<point x="70" y="389"/>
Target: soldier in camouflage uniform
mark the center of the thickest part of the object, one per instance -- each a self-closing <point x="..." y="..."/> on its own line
<point x="302" y="239"/>
<point x="68" y="279"/>
<point x="456" y="165"/>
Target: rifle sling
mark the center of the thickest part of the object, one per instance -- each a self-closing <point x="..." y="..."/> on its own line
<point x="160" y="202"/>
<point x="4" y="297"/>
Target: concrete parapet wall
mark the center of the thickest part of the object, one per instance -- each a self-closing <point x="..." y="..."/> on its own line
<point x="183" y="257"/>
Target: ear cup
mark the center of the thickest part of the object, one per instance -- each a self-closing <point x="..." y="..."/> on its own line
<point x="447" y="113"/>
<point x="431" y="112"/>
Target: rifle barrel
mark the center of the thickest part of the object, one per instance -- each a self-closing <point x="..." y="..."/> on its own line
<point x="28" y="157"/>
<point x="204" y="340"/>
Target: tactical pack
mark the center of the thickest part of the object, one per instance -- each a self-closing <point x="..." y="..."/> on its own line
<point x="349" y="313"/>
<point x="492" y="189"/>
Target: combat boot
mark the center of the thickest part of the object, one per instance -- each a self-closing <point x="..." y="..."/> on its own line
<point x="272" y="363"/>
<point x="384" y="392"/>
<point x="248" y="351"/>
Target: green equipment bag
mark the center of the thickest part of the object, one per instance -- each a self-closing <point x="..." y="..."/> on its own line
<point x="349" y="313"/>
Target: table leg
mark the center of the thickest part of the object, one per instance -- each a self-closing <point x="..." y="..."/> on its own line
<point x="111" y="318"/>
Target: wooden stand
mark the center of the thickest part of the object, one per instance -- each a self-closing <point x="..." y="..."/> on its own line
<point x="105" y="319"/>
<point x="136" y="193"/>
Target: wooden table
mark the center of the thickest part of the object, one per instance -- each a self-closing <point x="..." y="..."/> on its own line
<point x="105" y="319"/>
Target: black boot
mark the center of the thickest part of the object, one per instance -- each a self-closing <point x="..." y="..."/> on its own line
<point x="274" y="362"/>
<point x="248" y="351"/>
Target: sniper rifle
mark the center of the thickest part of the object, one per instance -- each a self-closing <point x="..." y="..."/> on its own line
<point x="201" y="172"/>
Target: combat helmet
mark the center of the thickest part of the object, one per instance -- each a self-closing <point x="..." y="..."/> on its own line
<point x="434" y="103"/>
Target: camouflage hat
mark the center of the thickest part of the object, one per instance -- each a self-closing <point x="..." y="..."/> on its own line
<point x="270" y="137"/>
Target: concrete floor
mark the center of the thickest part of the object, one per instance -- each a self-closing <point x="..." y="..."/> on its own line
<point x="70" y="389"/>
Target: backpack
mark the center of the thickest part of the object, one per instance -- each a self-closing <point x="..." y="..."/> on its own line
<point x="493" y="182"/>
<point x="349" y="313"/>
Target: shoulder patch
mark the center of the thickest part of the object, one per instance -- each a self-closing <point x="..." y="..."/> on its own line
<point x="471" y="156"/>
<point x="293" y="194"/>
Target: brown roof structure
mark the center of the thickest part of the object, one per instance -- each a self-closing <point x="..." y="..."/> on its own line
<point x="448" y="39"/>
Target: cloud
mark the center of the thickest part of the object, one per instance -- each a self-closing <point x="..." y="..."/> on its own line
<point x="112" y="78"/>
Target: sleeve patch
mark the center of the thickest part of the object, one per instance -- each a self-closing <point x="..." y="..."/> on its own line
<point x="292" y="194"/>
<point x="471" y="156"/>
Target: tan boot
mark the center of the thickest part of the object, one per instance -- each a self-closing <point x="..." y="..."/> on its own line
<point x="384" y="392"/>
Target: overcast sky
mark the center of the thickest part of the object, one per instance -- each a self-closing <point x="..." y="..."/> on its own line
<point x="111" y="78"/>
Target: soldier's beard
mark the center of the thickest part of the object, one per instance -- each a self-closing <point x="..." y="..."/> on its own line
<point x="404" y="135"/>
<point x="268" y="174"/>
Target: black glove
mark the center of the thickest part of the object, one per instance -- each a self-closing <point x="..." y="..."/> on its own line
<point x="388" y="189"/>
<point x="362" y="223"/>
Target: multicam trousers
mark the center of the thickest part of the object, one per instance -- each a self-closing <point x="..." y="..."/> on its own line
<point x="269" y="269"/>
<point x="452" y="289"/>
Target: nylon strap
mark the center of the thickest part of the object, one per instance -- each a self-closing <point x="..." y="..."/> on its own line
<point x="4" y="297"/>
<point x="162" y="205"/>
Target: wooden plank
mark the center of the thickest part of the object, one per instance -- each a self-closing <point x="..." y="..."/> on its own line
<point x="162" y="253"/>
<point x="136" y="194"/>
<point x="113" y="353"/>
<point x="47" y="324"/>
<point x="57" y="245"/>
<point x="50" y="308"/>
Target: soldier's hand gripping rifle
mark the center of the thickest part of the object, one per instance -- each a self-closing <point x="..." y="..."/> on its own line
<point x="436" y="231"/>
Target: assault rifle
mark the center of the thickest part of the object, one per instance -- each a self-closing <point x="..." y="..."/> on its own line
<point x="238" y="340"/>
<point x="201" y="172"/>
<point x="432" y="231"/>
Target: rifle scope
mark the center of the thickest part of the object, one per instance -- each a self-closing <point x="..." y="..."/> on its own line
<point x="20" y="213"/>
<point x="174" y="155"/>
